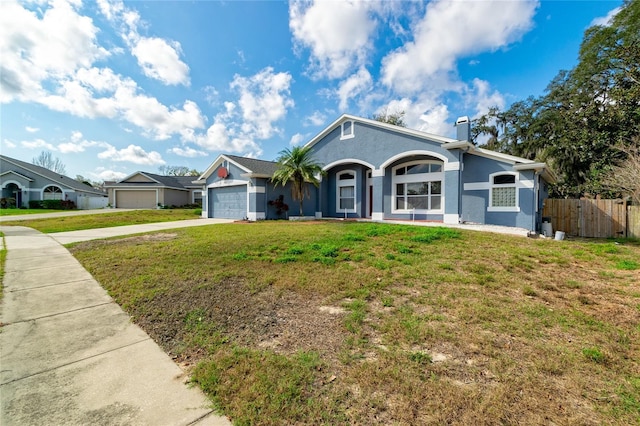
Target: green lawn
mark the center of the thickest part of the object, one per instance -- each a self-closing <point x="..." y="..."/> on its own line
<point x="362" y="323"/>
<point x="20" y="212"/>
<point x="106" y="220"/>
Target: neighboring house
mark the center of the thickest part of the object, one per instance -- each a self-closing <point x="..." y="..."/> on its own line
<point x="381" y="171"/>
<point x="27" y="182"/>
<point x="143" y="190"/>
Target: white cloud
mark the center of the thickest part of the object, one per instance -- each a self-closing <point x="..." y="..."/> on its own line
<point x="605" y="21"/>
<point x="78" y="143"/>
<point x="481" y="96"/>
<point x="353" y="86"/>
<point x="122" y="99"/>
<point x="264" y="99"/>
<point x="423" y="114"/>
<point x="435" y="48"/>
<point x="35" y="49"/>
<point x="31" y="129"/>
<point x="297" y="139"/>
<point x="337" y="33"/>
<point x="104" y="175"/>
<point x="218" y="138"/>
<point x="38" y="143"/>
<point x="316" y="119"/>
<point x="187" y="152"/>
<point x="8" y="143"/>
<point x="158" y="58"/>
<point x="48" y="59"/>
<point x="132" y="154"/>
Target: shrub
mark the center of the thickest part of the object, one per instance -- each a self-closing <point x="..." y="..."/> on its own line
<point x="8" y="203"/>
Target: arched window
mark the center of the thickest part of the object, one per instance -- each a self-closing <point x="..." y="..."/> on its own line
<point x="417" y="187"/>
<point x="52" y="192"/>
<point x="503" y="194"/>
<point x="346" y="191"/>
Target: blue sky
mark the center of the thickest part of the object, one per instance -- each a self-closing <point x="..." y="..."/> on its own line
<point x="113" y="87"/>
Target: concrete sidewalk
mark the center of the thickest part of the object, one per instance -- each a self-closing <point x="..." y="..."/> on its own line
<point x="70" y="355"/>
<point x="64" y="213"/>
<point x="116" y="231"/>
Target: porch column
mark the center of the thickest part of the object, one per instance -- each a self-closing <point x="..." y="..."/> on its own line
<point x="377" y="199"/>
<point x="452" y="193"/>
<point x="256" y="192"/>
<point x="318" y="197"/>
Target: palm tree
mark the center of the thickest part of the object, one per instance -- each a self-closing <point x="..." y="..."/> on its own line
<point x="296" y="166"/>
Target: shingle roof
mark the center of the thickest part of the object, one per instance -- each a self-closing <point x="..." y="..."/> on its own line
<point x="177" y="182"/>
<point x="52" y="176"/>
<point x="260" y="167"/>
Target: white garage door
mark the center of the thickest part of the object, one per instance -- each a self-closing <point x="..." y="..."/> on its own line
<point x="228" y="203"/>
<point x="142" y="199"/>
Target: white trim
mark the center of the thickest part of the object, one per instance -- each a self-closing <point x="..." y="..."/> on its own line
<point x="221" y="158"/>
<point x="417" y="178"/>
<point x="452" y="166"/>
<point x="347" y="161"/>
<point x="476" y="186"/>
<point x="347" y="183"/>
<point x="253" y="216"/>
<point x="7" y="182"/>
<point x="404" y="154"/>
<point x="224" y="183"/>
<point x="451" y="218"/>
<point x="503" y="209"/>
<point x="62" y="192"/>
<point x="193" y="196"/>
<point x="377" y="172"/>
<point x="256" y="189"/>
<point x="514" y="185"/>
<point x="377" y="216"/>
<point x="349" y="135"/>
<point x="381" y="125"/>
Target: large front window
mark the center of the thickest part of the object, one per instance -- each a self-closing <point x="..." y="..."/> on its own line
<point x="346" y="191"/>
<point x="52" y="193"/>
<point x="418" y="187"/>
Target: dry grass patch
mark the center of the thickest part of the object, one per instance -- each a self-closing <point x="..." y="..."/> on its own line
<point x="387" y="324"/>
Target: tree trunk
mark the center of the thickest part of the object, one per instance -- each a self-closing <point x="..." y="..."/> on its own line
<point x="301" y="207"/>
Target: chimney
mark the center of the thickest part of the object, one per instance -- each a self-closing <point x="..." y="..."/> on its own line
<point x="463" y="129"/>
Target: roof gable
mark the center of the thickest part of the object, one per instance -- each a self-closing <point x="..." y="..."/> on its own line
<point x="20" y="175"/>
<point x="252" y="166"/>
<point x="54" y="177"/>
<point x="378" y="124"/>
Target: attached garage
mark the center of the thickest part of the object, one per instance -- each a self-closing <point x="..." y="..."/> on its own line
<point x="136" y="199"/>
<point x="228" y="202"/>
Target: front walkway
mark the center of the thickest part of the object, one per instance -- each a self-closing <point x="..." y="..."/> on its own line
<point x="71" y="356"/>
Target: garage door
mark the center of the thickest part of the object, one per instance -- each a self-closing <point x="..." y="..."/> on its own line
<point x="228" y="203"/>
<point x="136" y="199"/>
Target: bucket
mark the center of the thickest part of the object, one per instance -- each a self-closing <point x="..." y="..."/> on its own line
<point x="559" y="236"/>
<point x="547" y="231"/>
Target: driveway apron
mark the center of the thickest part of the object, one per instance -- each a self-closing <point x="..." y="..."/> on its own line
<point x="69" y="355"/>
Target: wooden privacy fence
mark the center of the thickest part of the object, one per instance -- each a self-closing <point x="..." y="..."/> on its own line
<point x="593" y="218"/>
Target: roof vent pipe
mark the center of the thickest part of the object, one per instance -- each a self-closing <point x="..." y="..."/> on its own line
<point x="463" y="129"/>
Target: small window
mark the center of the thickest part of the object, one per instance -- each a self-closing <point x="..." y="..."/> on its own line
<point x="504" y="194"/>
<point x="346" y="191"/>
<point x="504" y="179"/>
<point x="347" y="130"/>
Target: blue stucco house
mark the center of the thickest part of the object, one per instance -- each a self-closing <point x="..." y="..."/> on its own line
<point x="380" y="171"/>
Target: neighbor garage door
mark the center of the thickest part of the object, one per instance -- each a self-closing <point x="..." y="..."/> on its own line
<point x="136" y="199"/>
<point x="228" y="203"/>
